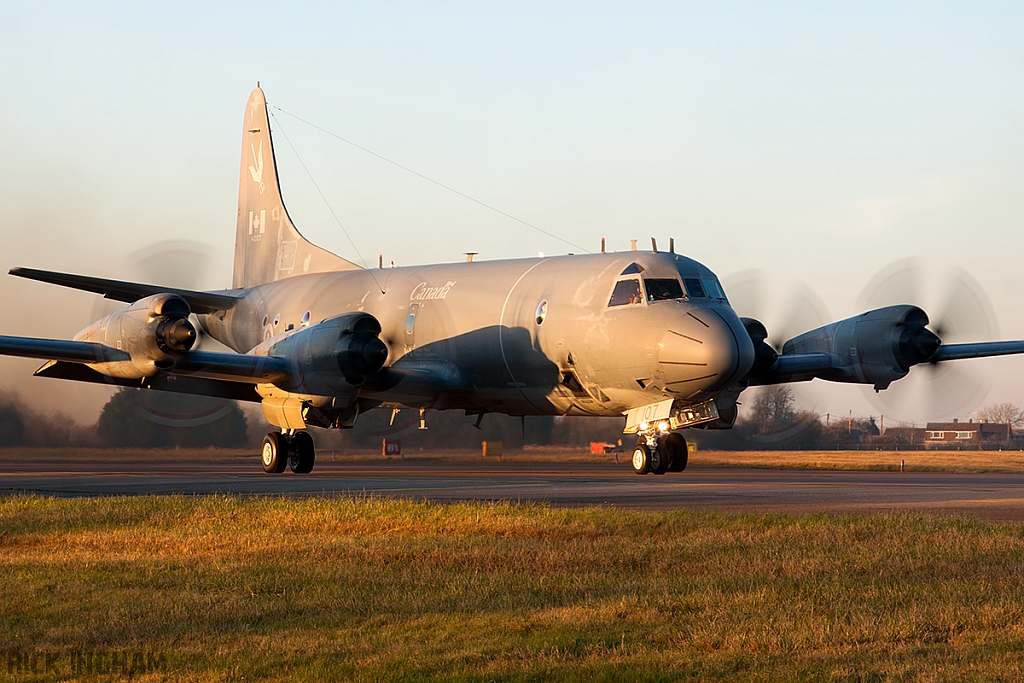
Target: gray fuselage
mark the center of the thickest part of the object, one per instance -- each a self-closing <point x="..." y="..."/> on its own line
<point x="523" y="337"/>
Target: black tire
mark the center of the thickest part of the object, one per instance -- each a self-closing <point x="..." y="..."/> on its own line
<point x="641" y="459"/>
<point x="302" y="454"/>
<point x="274" y="453"/>
<point x="675" y="445"/>
<point x="660" y="458"/>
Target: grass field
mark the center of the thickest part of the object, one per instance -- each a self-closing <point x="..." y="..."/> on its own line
<point x="227" y="588"/>
<point x="919" y="461"/>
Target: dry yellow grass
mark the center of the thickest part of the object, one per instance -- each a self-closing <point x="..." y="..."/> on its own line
<point x="946" y="461"/>
<point x="338" y="589"/>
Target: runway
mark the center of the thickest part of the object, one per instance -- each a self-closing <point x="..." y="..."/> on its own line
<point x="994" y="497"/>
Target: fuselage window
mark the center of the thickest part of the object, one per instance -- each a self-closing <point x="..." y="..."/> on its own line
<point x="694" y="289"/>
<point x="410" y="323"/>
<point x="626" y="292"/>
<point x="663" y="289"/>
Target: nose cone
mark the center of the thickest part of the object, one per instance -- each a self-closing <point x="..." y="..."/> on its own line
<point x="704" y="349"/>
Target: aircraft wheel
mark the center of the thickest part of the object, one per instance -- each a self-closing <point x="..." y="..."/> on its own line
<point x="660" y="458"/>
<point x="274" y="453"/>
<point x="303" y="454"/>
<point x="675" y="445"/>
<point x="641" y="459"/>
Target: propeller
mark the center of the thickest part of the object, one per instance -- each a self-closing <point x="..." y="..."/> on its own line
<point x="959" y="311"/>
<point x="185" y="264"/>
<point x="785" y="309"/>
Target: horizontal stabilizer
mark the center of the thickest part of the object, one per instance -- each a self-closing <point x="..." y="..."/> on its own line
<point x="59" y="349"/>
<point x="129" y="292"/>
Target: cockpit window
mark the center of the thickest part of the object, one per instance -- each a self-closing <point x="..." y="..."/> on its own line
<point x="694" y="288"/>
<point x="663" y="289"/>
<point x="632" y="268"/>
<point x="626" y="292"/>
<point x="713" y="289"/>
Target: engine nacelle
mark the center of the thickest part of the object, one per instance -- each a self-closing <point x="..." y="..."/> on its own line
<point x="155" y="332"/>
<point x="333" y="357"/>
<point x="764" y="354"/>
<point x="877" y="347"/>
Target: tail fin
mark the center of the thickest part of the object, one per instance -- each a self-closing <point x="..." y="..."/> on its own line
<point x="267" y="245"/>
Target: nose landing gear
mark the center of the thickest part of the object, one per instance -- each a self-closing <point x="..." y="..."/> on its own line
<point x="660" y="454"/>
<point x="296" y="451"/>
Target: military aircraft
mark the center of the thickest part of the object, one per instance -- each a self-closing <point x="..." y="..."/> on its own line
<point x="318" y="340"/>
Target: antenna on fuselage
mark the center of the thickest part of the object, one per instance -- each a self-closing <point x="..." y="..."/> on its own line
<point x="671" y="245"/>
<point x="602" y="245"/>
<point x="654" y="245"/>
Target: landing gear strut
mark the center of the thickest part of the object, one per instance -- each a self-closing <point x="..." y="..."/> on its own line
<point x="660" y="454"/>
<point x="295" y="451"/>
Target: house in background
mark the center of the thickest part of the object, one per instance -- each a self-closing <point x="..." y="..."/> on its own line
<point x="968" y="434"/>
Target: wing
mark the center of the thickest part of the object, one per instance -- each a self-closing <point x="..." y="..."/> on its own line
<point x="803" y="367"/>
<point x="77" y="372"/>
<point x="129" y="292"/>
<point x="230" y="367"/>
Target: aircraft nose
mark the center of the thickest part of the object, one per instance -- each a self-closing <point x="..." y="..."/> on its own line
<point x="704" y="350"/>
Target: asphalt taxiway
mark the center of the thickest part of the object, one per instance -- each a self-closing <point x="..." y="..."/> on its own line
<point x="995" y="497"/>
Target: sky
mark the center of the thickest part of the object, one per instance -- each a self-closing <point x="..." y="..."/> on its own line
<point x="804" y="147"/>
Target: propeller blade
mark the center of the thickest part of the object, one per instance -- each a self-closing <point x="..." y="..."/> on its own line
<point x="952" y="390"/>
<point x="786" y="310"/>
<point x="897" y="283"/>
<point x="958" y="310"/>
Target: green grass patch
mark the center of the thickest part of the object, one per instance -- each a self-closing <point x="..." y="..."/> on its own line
<point x="231" y="588"/>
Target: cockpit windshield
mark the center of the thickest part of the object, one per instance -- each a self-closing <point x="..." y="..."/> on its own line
<point x="663" y="289"/>
<point x="626" y="292"/>
<point x="703" y="288"/>
<point x="714" y="288"/>
<point x="694" y="288"/>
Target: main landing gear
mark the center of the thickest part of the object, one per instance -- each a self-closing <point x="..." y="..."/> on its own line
<point x="295" y="450"/>
<point x="660" y="454"/>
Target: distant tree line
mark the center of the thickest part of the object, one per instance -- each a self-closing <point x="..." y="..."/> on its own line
<point x="151" y="419"/>
<point x="22" y="426"/>
<point x="157" y="419"/>
<point x="774" y="423"/>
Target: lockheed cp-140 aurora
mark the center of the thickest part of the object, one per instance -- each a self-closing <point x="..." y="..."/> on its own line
<point x="648" y="336"/>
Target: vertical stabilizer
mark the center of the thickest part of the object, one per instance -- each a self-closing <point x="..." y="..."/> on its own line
<point x="267" y="245"/>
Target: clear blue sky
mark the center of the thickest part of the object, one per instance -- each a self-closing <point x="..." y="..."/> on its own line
<point x="817" y="142"/>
